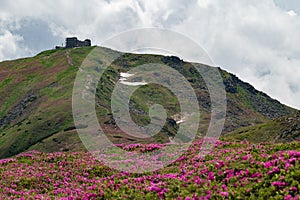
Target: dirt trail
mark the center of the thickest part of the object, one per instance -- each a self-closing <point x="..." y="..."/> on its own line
<point x="70" y="61"/>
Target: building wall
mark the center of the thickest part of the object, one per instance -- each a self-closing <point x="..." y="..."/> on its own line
<point x="74" y="42"/>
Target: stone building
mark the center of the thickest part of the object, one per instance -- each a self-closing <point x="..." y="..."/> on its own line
<point x="72" y="42"/>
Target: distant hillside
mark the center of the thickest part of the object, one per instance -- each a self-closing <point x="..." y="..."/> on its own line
<point x="283" y="129"/>
<point x="35" y="101"/>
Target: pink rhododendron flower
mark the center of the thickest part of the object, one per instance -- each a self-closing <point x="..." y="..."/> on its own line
<point x="224" y="194"/>
<point x="268" y="164"/>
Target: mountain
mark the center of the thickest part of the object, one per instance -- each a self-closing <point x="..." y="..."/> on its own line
<point x="283" y="129"/>
<point x="36" y="101"/>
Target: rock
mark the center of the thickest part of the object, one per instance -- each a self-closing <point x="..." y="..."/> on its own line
<point x="18" y="109"/>
<point x="172" y="61"/>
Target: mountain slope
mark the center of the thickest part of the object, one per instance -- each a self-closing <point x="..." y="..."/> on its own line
<point x="36" y="101"/>
<point x="283" y="129"/>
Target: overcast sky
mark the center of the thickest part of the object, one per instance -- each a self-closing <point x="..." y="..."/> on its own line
<point x="258" y="40"/>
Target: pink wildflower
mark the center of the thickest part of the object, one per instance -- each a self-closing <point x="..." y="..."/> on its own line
<point x="224" y="194"/>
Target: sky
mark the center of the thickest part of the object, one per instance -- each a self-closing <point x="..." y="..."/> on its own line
<point x="257" y="40"/>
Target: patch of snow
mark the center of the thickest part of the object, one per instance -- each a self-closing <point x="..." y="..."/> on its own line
<point x="133" y="83"/>
<point x="125" y="75"/>
<point x="124" y="81"/>
<point x="180" y="121"/>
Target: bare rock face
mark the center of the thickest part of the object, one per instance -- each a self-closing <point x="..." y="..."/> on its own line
<point x="172" y="61"/>
<point x="291" y="127"/>
<point x="258" y="100"/>
<point x="18" y="109"/>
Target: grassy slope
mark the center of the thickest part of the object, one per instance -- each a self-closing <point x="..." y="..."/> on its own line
<point x="50" y="77"/>
<point x="282" y="129"/>
<point x="45" y="120"/>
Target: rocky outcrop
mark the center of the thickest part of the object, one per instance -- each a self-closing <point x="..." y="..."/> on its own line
<point x="18" y="109"/>
<point x="290" y="128"/>
<point x="172" y="61"/>
<point x="258" y="100"/>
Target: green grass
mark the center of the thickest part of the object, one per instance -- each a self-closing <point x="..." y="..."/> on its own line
<point x="258" y="133"/>
<point x="284" y="129"/>
<point x="5" y="82"/>
<point x="244" y="97"/>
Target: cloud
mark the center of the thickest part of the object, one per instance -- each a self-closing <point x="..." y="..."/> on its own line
<point x="34" y="33"/>
<point x="10" y="47"/>
<point x="288" y="5"/>
<point x="257" y="40"/>
<point x="203" y="3"/>
<point x="292" y="13"/>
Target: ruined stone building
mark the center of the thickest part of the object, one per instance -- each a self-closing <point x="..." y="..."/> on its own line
<point x="72" y="42"/>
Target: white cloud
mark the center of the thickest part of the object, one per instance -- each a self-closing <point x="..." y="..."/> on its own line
<point x="9" y="46"/>
<point x="203" y="3"/>
<point x="257" y="40"/>
<point x="292" y="13"/>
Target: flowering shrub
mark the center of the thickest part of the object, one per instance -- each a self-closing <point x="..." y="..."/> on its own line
<point x="233" y="170"/>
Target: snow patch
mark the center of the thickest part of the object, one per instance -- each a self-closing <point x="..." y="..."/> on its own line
<point x="125" y="75"/>
<point x="180" y="121"/>
<point x="124" y="81"/>
<point x="133" y="83"/>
